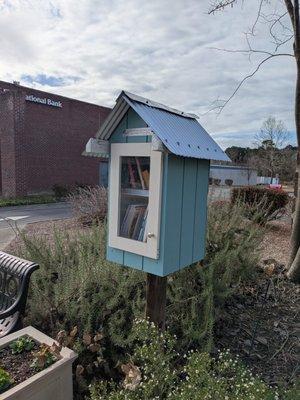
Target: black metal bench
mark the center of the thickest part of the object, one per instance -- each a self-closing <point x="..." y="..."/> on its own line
<point x="14" y="282"/>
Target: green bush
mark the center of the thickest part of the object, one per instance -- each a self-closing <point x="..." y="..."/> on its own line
<point x="155" y="371"/>
<point x="60" y="191"/>
<point x="24" y="201"/>
<point x="76" y="286"/>
<point x="196" y="294"/>
<point x="262" y="204"/>
<point x="5" y="380"/>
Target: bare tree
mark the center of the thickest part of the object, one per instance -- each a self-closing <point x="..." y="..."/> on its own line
<point x="271" y="137"/>
<point x="280" y="34"/>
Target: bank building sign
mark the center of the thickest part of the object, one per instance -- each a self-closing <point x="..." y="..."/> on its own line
<point x="43" y="100"/>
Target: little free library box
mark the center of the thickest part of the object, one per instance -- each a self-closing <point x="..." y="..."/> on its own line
<point x="159" y="162"/>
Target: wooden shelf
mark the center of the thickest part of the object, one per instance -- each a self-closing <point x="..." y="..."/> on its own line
<point x="136" y="192"/>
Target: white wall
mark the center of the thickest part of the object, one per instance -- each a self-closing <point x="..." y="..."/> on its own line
<point x="239" y="176"/>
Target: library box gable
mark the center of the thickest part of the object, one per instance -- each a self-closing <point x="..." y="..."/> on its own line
<point x="158" y="182"/>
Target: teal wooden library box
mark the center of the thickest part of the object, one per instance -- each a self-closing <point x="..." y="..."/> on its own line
<point x="159" y="161"/>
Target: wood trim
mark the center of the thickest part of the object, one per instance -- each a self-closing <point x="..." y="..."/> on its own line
<point x="138" y="132"/>
<point x="151" y="247"/>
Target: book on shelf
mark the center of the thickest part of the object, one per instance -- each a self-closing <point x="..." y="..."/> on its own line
<point x="138" y="178"/>
<point x="134" y="221"/>
<point x="138" y="164"/>
<point x="131" y="175"/>
<point x="146" y="178"/>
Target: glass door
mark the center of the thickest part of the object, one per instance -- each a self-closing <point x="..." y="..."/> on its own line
<point x="135" y="190"/>
<point x="134" y="200"/>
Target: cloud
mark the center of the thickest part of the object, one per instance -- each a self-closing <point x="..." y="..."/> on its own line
<point x="160" y="49"/>
<point x="52" y="81"/>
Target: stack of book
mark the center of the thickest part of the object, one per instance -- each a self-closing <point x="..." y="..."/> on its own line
<point x="134" y="222"/>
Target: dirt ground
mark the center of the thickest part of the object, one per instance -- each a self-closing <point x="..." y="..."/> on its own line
<point x="261" y="323"/>
<point x="276" y="242"/>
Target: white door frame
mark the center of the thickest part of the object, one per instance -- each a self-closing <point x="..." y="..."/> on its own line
<point x="151" y="247"/>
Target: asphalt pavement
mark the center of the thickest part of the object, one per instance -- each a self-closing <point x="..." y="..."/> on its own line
<point x="20" y="216"/>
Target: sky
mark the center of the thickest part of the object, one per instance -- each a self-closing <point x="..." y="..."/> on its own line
<point x="165" y="50"/>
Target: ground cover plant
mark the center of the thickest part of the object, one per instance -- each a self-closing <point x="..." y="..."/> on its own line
<point x="5" y="380"/>
<point x="155" y="370"/>
<point x="77" y="288"/>
<point x="27" y="200"/>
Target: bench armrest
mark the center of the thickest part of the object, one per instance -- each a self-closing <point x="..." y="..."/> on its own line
<point x="12" y="309"/>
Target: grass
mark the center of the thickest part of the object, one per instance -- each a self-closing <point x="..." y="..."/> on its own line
<point x="23" y="201"/>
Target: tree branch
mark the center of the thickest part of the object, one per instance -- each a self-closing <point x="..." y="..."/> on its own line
<point x="225" y="102"/>
<point x="250" y="51"/>
<point x="220" y="5"/>
<point x="257" y="17"/>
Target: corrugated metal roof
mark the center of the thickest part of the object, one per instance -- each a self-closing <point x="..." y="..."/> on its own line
<point x="180" y="132"/>
<point x="236" y="167"/>
<point x="181" y="135"/>
<point x="154" y="104"/>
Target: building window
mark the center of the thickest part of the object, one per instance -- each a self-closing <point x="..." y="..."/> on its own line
<point x="103" y="174"/>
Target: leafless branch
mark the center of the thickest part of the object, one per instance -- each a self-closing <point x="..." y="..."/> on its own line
<point x="249" y="51"/>
<point x="220" y="5"/>
<point x="257" y="17"/>
<point x="225" y="102"/>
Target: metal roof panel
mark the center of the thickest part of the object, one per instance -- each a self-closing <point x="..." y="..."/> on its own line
<point x="154" y="104"/>
<point x="183" y="136"/>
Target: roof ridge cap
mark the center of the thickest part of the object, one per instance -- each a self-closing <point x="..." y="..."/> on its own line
<point x="155" y="104"/>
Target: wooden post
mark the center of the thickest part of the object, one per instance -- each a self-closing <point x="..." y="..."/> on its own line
<point x="156" y="290"/>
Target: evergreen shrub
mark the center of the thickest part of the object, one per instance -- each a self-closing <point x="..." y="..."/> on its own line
<point x="261" y="204"/>
<point x="77" y="286"/>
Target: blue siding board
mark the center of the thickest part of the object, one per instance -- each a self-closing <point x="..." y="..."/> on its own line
<point x="133" y="260"/>
<point x="153" y="266"/>
<point x="173" y="209"/>
<point x="117" y="136"/>
<point x="115" y="255"/>
<point x="201" y="210"/>
<point x="135" y="121"/>
<point x="188" y="212"/>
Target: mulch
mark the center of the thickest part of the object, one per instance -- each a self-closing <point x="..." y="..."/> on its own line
<point x="17" y="365"/>
<point x="261" y="324"/>
<point x="276" y="241"/>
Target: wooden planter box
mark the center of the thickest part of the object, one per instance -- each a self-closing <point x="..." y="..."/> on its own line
<point x="54" y="382"/>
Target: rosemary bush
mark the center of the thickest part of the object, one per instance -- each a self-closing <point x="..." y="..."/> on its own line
<point x="76" y="286"/>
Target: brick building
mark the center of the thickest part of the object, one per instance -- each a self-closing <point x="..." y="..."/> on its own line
<point x="42" y="137"/>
